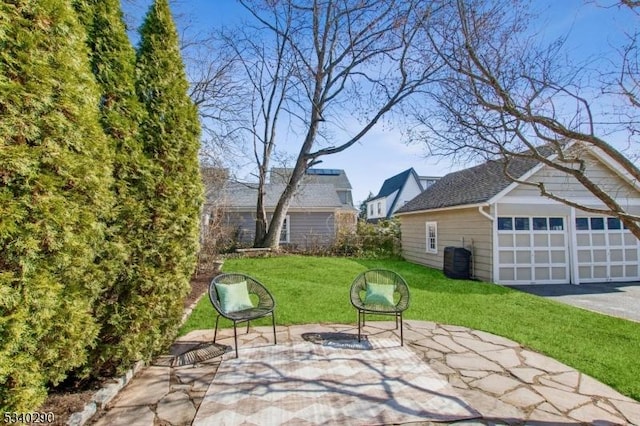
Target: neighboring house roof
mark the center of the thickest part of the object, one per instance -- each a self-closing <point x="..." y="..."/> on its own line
<point x="395" y="183"/>
<point x="469" y="186"/>
<point x="309" y="196"/>
<point x="336" y="177"/>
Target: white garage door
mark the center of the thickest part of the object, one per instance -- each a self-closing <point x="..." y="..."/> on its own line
<point x="532" y="250"/>
<point x="605" y="250"/>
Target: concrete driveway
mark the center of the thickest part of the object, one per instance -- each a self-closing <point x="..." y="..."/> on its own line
<point x="616" y="299"/>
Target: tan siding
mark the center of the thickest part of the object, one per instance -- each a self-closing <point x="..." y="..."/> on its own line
<point x="560" y="210"/>
<point x="566" y="186"/>
<point x="455" y="228"/>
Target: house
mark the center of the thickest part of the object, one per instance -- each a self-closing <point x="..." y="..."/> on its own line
<point x="321" y="208"/>
<point x="515" y="235"/>
<point x="395" y="192"/>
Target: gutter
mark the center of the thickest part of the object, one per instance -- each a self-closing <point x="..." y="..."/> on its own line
<point x="485" y="214"/>
<point x="457" y="207"/>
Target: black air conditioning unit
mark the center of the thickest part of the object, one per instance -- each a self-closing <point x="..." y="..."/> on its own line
<point x="457" y="263"/>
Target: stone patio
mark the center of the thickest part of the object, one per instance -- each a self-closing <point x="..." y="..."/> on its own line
<point x="506" y="383"/>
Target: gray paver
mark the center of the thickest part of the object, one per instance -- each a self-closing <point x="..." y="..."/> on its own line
<point x="526" y="374"/>
<point x="542" y="362"/>
<point x="590" y="386"/>
<point x="448" y="342"/>
<point x="570" y="379"/>
<point x="491" y="407"/>
<point x="629" y="409"/>
<point x="146" y="389"/>
<point x="522" y="397"/>
<point x="471" y="362"/>
<point x="176" y="408"/>
<point x="508" y="358"/>
<point x="595" y="415"/>
<point x="477" y="345"/>
<point x="492" y="338"/>
<point x="496" y="384"/>
<point x="546" y="381"/>
<point x="563" y="400"/>
<point x="128" y="416"/>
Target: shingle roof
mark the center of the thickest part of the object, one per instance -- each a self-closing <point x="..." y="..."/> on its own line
<point x="469" y="186"/>
<point x="394" y="183"/>
<point x="241" y="196"/>
<point x="336" y="177"/>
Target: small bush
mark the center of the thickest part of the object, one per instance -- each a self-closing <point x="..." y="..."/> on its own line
<point x="380" y="240"/>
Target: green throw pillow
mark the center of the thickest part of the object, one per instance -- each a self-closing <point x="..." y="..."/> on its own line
<point x="379" y="294"/>
<point x="234" y="297"/>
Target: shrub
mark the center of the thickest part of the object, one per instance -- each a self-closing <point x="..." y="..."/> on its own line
<point x="380" y="240"/>
<point x="55" y="169"/>
<point x="169" y="243"/>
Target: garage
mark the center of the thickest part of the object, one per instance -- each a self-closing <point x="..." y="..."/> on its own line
<point x="532" y="250"/>
<point x="518" y="236"/>
<point x="537" y="250"/>
<point x="605" y="250"/>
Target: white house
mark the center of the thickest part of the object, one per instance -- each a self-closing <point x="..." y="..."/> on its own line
<point x="395" y="192"/>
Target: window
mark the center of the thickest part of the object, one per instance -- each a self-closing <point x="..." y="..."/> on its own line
<point x="613" y="223"/>
<point x="432" y="237"/>
<point x="379" y="208"/>
<point x="539" y="223"/>
<point x="284" y="232"/>
<point x="522" y="223"/>
<point x="582" y="223"/>
<point x="370" y="209"/>
<point x="505" y="224"/>
<point x="556" y="223"/>
<point x="597" y="223"/>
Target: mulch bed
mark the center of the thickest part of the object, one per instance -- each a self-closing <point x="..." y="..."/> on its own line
<point x="67" y="399"/>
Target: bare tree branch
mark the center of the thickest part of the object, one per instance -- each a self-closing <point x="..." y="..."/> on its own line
<point x="504" y="97"/>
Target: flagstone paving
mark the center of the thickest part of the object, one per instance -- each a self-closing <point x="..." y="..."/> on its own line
<point x="506" y="383"/>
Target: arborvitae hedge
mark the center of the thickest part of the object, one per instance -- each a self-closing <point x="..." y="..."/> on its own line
<point x="55" y="181"/>
<point x="113" y="64"/>
<point x="171" y="140"/>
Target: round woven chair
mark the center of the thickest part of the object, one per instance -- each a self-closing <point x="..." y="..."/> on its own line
<point x="264" y="306"/>
<point x="380" y="292"/>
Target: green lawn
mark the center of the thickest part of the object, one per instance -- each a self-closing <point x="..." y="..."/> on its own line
<point x="316" y="290"/>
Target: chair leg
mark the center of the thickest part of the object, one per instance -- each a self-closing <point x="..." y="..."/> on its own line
<point x="235" y="337"/>
<point x="248" y="326"/>
<point x="273" y="322"/>
<point x="215" y="333"/>
<point x="360" y="321"/>
<point x="401" y="336"/>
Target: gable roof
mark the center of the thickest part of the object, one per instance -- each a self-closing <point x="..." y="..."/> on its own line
<point x="309" y="196"/>
<point x="336" y="177"/>
<point x="469" y="186"/>
<point x="395" y="183"/>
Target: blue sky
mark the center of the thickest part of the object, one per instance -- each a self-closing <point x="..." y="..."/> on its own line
<point x="593" y="29"/>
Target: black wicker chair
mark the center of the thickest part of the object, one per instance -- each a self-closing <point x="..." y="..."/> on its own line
<point x="376" y="306"/>
<point x="265" y="305"/>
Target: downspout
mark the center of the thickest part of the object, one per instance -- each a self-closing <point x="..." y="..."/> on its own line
<point x="485" y="214"/>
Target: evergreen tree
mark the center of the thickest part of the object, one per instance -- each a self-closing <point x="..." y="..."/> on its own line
<point x="113" y="64"/>
<point x="171" y="140"/>
<point x="55" y="180"/>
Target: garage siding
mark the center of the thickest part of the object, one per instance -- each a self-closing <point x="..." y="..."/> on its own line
<point x="457" y="228"/>
<point x="567" y="186"/>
